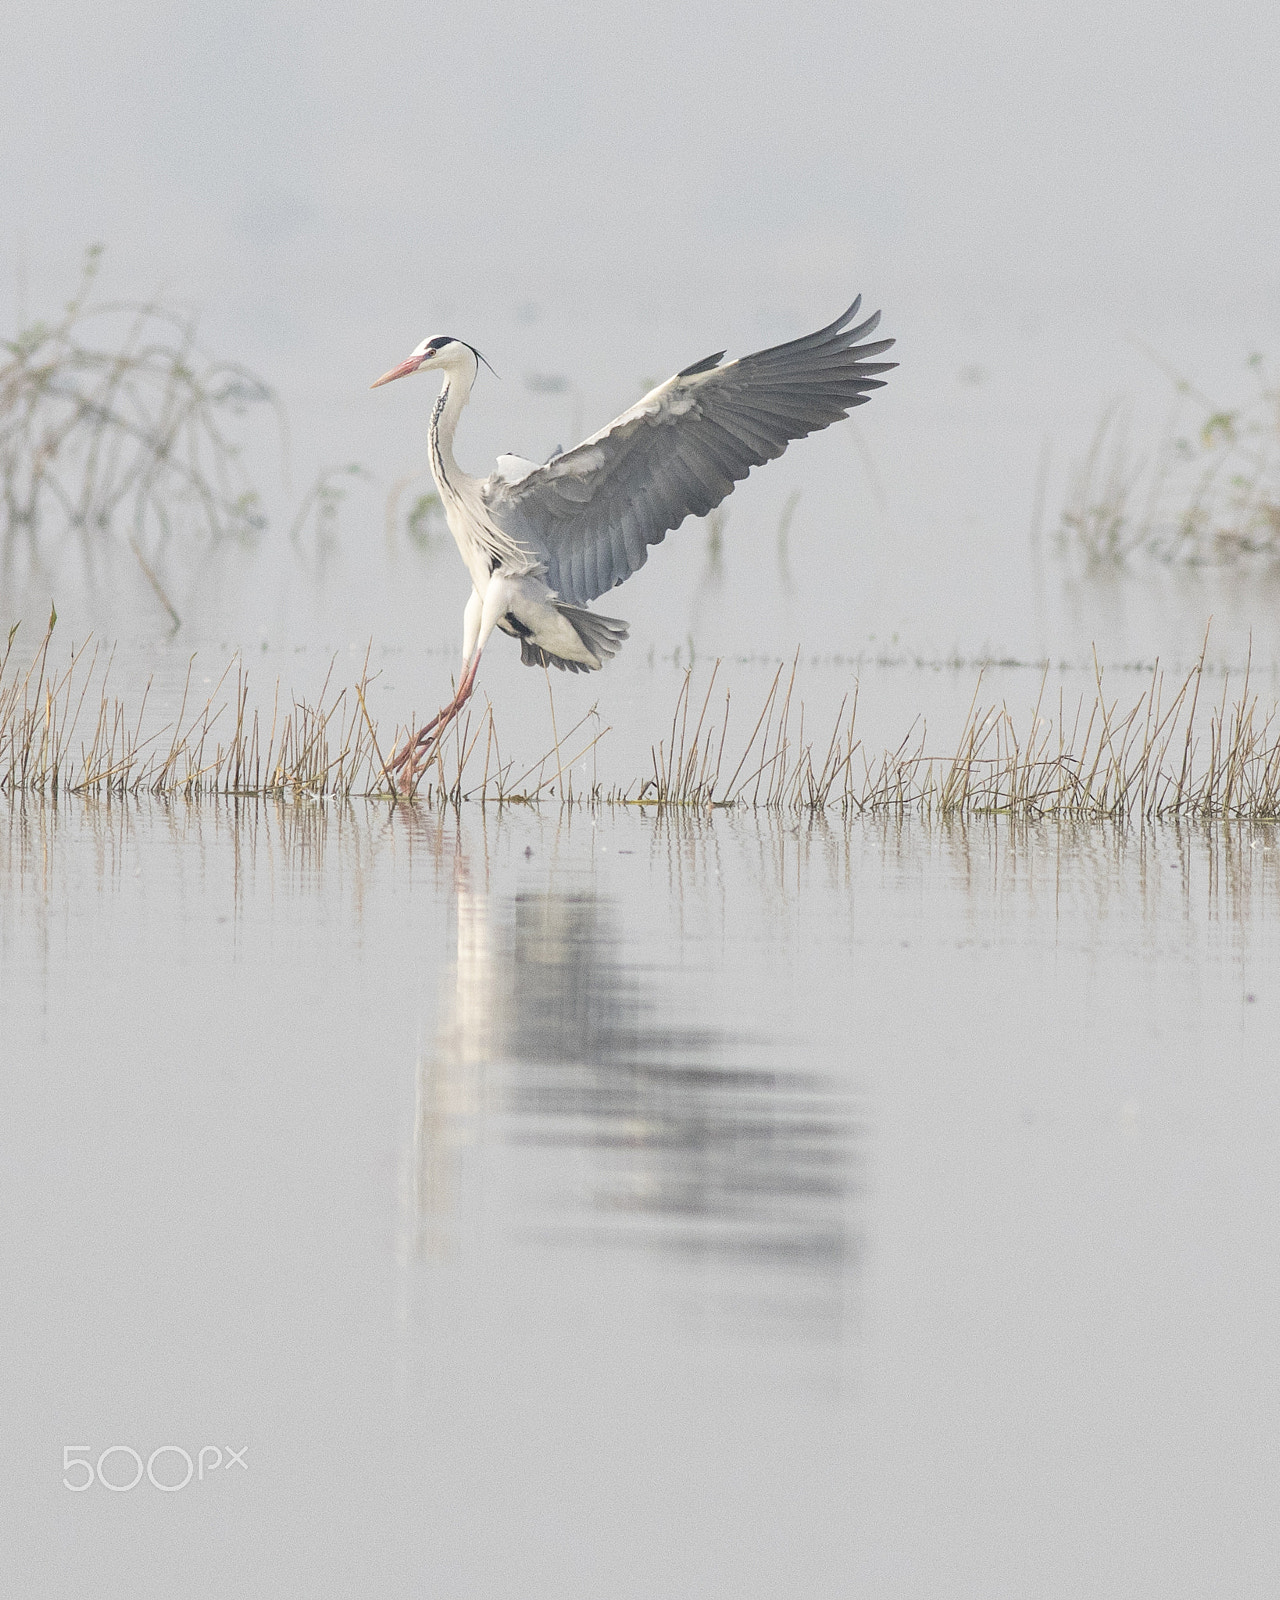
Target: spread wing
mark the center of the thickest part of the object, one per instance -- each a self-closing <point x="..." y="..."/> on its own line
<point x="591" y="513"/>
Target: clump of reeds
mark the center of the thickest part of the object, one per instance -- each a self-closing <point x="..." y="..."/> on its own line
<point x="63" y="730"/>
<point x="1160" y="756"/>
<point x="775" y="769"/>
<point x="1208" y="496"/>
<point x="113" y="409"/>
<point x="1157" y="757"/>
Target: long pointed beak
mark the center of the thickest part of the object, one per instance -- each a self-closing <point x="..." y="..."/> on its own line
<point x="402" y="371"/>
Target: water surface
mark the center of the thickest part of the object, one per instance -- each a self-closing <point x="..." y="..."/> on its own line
<point x="562" y="1205"/>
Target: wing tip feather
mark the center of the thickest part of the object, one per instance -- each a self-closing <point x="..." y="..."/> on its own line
<point x="705" y="365"/>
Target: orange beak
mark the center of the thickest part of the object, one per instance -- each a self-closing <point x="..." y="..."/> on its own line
<point x="402" y="371"/>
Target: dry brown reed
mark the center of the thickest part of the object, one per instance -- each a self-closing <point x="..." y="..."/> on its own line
<point x="63" y="730"/>
<point x="1169" y="752"/>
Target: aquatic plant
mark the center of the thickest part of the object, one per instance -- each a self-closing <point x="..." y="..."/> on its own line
<point x="62" y="729"/>
<point x="424" y="524"/>
<point x="1209" y="495"/>
<point x="319" y="507"/>
<point x="113" y="409"/>
<point x="1100" y="522"/>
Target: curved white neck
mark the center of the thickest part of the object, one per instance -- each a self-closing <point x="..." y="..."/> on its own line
<point x="455" y="391"/>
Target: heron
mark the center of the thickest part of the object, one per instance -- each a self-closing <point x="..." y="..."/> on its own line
<point x="541" y="540"/>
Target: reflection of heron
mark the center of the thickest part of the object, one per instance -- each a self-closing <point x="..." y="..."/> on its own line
<point x="549" y="1042"/>
<point x="451" y="1082"/>
<point x="540" y="541"/>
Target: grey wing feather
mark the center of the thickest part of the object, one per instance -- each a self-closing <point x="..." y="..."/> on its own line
<point x="590" y="514"/>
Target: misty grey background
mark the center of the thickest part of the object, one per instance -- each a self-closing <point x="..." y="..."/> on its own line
<point x="1037" y="198"/>
<point x="316" y="170"/>
<point x="603" y="194"/>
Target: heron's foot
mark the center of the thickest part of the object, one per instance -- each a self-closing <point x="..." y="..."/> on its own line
<point x="402" y="769"/>
<point x="424" y="744"/>
<point x="426" y="741"/>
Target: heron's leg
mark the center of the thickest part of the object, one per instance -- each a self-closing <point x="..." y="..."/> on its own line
<point x="479" y="621"/>
<point x="430" y="735"/>
<point x="472" y="626"/>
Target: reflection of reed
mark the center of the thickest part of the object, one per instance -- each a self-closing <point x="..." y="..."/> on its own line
<point x="1080" y="872"/>
<point x="648" y="1132"/>
<point x="245" y="847"/>
<point x="1227" y="871"/>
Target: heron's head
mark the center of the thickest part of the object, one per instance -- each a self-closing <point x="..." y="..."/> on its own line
<point x="443" y="353"/>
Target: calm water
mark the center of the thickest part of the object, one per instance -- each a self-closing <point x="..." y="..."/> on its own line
<point x="638" y="1206"/>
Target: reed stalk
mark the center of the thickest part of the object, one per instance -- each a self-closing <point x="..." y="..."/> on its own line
<point x="63" y="729"/>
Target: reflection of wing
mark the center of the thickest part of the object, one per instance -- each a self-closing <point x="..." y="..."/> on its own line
<point x="591" y="514"/>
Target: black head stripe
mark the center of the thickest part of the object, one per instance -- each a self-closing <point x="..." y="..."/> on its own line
<point x="437" y="344"/>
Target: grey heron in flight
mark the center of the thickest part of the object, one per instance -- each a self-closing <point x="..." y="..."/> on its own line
<point x="540" y="540"/>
